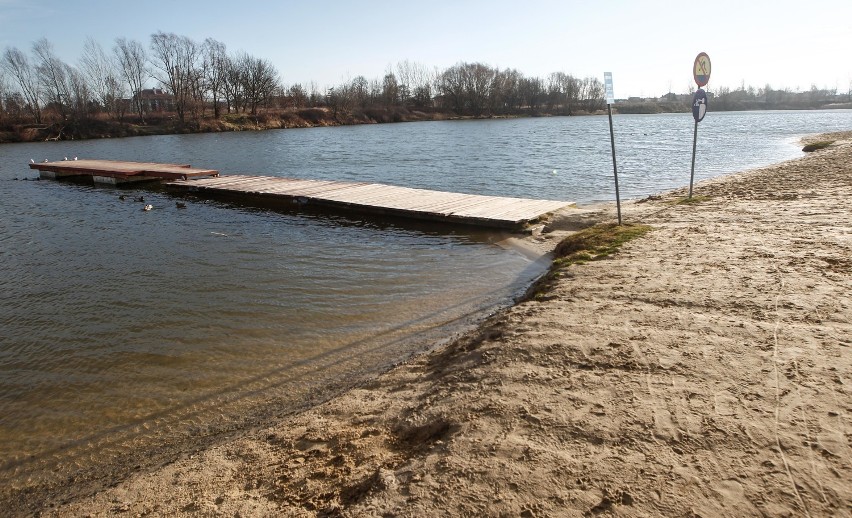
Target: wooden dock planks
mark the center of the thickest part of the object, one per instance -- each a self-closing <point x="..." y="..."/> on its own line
<point x="471" y="209"/>
<point x="120" y="170"/>
<point x="491" y="211"/>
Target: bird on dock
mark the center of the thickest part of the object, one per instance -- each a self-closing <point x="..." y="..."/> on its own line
<point x="45" y="160"/>
<point x="122" y="197"/>
<point x="75" y="158"/>
<point x="140" y="199"/>
<point x="65" y="159"/>
<point x="32" y="161"/>
<point x="147" y="207"/>
<point x="180" y="204"/>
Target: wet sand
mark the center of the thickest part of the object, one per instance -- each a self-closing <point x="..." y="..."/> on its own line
<point x="704" y="370"/>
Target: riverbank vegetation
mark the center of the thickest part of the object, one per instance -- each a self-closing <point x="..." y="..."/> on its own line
<point x="178" y="85"/>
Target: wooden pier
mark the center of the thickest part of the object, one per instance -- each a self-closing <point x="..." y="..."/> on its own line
<point x="358" y="197"/>
<point x="115" y="172"/>
<point x="374" y="198"/>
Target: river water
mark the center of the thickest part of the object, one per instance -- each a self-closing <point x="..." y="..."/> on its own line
<point x="123" y="332"/>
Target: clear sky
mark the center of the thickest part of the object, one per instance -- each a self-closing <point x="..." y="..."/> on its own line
<point x="649" y="46"/>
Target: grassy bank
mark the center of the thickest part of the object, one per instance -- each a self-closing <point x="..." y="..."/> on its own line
<point x="167" y="124"/>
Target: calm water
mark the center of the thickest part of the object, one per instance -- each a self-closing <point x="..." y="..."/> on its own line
<point x="123" y="330"/>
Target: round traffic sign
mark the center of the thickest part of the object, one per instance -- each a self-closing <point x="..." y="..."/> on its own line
<point x="699" y="105"/>
<point x="701" y="69"/>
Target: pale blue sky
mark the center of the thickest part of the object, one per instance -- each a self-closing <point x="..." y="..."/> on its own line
<point x="649" y="46"/>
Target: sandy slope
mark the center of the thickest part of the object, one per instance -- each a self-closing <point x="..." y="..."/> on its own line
<point x="703" y="371"/>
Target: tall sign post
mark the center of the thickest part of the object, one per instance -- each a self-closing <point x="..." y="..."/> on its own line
<point x="701" y="74"/>
<point x="610" y="100"/>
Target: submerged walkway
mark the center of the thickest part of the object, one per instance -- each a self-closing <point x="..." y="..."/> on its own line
<point x="373" y="198"/>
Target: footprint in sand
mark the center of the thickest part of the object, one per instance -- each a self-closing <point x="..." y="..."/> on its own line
<point x="725" y="404"/>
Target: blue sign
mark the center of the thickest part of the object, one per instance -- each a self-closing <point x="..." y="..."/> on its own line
<point x="699" y="105"/>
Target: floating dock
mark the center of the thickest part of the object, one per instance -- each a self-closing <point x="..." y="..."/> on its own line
<point x="115" y="172"/>
<point x="357" y="197"/>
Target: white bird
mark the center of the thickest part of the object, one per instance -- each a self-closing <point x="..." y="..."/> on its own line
<point x="65" y="159"/>
<point x="32" y="161"/>
<point x="45" y="160"/>
<point x="147" y="207"/>
<point x="75" y="158"/>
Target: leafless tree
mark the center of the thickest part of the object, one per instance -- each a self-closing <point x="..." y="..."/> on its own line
<point x="53" y="75"/>
<point x="591" y="94"/>
<point x="298" y="95"/>
<point x="505" y="92"/>
<point x="315" y="97"/>
<point x="452" y="88"/>
<point x="131" y="58"/>
<point x="562" y="92"/>
<point x="360" y="89"/>
<point x="17" y="66"/>
<point x="215" y="67"/>
<point x="102" y="75"/>
<point x="233" y="82"/>
<point x="4" y="96"/>
<point x="261" y="80"/>
<point x="405" y="75"/>
<point x="176" y="63"/>
<point x="478" y="82"/>
<point x="390" y="90"/>
<point x="415" y="84"/>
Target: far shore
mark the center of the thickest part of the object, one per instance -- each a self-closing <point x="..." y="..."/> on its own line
<point x="167" y="124"/>
<point x="704" y="369"/>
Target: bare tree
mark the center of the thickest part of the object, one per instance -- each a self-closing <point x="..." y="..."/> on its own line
<point x="298" y="95"/>
<point x="478" y="81"/>
<point x="16" y="64"/>
<point x="415" y="84"/>
<point x="591" y="94"/>
<point x="215" y="68"/>
<point x="505" y="92"/>
<point x="360" y="88"/>
<point x="451" y="86"/>
<point x="53" y="75"/>
<point x="232" y="83"/>
<point x="390" y="90"/>
<point x="562" y="92"/>
<point x="176" y="60"/>
<point x="102" y="76"/>
<point x="131" y="58"/>
<point x="261" y="80"/>
<point x="81" y="95"/>
<point x="405" y="73"/>
<point x="4" y="96"/>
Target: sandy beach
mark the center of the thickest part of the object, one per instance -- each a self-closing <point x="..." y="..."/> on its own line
<point x="703" y="370"/>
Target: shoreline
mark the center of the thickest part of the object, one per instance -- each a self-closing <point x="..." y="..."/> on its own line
<point x="590" y="400"/>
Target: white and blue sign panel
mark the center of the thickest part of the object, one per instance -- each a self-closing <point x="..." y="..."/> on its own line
<point x="699" y="105"/>
<point x="610" y="97"/>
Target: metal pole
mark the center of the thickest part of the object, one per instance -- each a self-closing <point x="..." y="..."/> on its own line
<point x="692" y="173"/>
<point x="614" y="167"/>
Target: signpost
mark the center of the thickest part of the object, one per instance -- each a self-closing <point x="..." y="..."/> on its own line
<point x="701" y="74"/>
<point x="610" y="100"/>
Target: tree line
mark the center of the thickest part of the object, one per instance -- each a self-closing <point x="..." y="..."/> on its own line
<point x="473" y="89"/>
<point x="197" y="76"/>
<point x="195" y="81"/>
<point x="203" y="79"/>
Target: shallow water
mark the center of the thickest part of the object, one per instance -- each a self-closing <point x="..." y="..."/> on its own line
<point x="123" y="330"/>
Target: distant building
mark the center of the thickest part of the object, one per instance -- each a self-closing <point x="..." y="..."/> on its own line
<point x="154" y="100"/>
